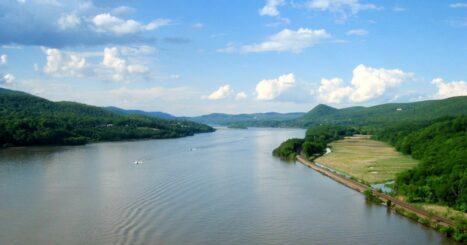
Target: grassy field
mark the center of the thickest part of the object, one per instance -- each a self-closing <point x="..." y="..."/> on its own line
<point x="367" y="159"/>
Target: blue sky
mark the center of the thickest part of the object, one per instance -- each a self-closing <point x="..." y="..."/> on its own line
<point x="197" y="57"/>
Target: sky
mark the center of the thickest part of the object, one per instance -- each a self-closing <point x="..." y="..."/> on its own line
<point x="198" y="57"/>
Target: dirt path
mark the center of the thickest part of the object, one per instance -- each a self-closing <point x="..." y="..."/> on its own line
<point x="361" y="188"/>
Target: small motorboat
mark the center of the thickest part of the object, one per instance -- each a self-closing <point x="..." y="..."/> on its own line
<point x="138" y="162"/>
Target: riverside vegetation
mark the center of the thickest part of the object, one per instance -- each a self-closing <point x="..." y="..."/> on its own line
<point x="30" y="120"/>
<point x="439" y="144"/>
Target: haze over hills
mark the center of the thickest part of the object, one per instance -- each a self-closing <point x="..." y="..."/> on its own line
<point x="324" y="114"/>
<point x="383" y="114"/>
<point x="220" y="119"/>
<point x="157" y="114"/>
<point x="31" y="120"/>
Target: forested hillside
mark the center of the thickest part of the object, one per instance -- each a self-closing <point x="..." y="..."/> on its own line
<point x="441" y="177"/>
<point x="30" y="120"/>
<point x="382" y="115"/>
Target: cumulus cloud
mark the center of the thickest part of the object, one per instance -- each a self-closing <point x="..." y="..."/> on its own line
<point x="367" y="83"/>
<point x="63" y="64"/>
<point x="270" y="9"/>
<point x="241" y="96"/>
<point x="287" y="41"/>
<point x="357" y="32"/>
<point x="446" y="90"/>
<point x="108" y="23"/>
<point x="68" y="23"/>
<point x="343" y="8"/>
<point x="3" y="59"/>
<point x="119" y="66"/>
<point x="371" y="82"/>
<point x="333" y="91"/>
<point x="113" y="66"/>
<point x="8" y="78"/>
<point x="269" y="89"/>
<point x="221" y="93"/>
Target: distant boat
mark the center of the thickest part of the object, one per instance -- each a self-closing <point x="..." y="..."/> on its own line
<point x="138" y="162"/>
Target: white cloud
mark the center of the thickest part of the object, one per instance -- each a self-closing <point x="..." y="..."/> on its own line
<point x="445" y="90"/>
<point x="3" y="59"/>
<point x="344" y="8"/>
<point x="108" y="23"/>
<point x="270" y="9"/>
<point x="8" y="78"/>
<point x="333" y="91"/>
<point x="63" y="64"/>
<point x="338" y="5"/>
<point x="72" y="23"/>
<point x="230" y="48"/>
<point x="241" y="96"/>
<point x="272" y="88"/>
<point x="68" y="21"/>
<point x="221" y="93"/>
<point x="357" y="32"/>
<point x="288" y="41"/>
<point x="113" y="65"/>
<point x="458" y="5"/>
<point x="367" y="83"/>
<point x="119" y="66"/>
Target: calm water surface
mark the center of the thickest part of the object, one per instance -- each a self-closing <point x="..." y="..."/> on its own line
<point x="218" y="188"/>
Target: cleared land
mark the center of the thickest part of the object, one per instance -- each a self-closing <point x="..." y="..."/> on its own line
<point x="366" y="159"/>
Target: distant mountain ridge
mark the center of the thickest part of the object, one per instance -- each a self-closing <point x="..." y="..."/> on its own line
<point x="157" y="114"/>
<point x="220" y="119"/>
<point x="324" y="114"/>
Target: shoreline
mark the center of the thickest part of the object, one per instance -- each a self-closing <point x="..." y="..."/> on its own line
<point x="394" y="203"/>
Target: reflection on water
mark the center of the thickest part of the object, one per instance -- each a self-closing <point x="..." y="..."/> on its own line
<point x="217" y="188"/>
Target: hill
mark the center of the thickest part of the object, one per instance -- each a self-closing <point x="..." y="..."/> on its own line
<point x="382" y="114"/>
<point x="251" y="119"/>
<point x="157" y="114"/>
<point x="219" y="119"/>
<point x="31" y="120"/>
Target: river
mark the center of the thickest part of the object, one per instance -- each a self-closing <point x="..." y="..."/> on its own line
<point x="216" y="188"/>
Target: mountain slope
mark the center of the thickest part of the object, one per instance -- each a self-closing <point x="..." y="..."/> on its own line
<point x="221" y="119"/>
<point x="31" y="120"/>
<point x="232" y="119"/>
<point x="385" y="113"/>
<point x="157" y="114"/>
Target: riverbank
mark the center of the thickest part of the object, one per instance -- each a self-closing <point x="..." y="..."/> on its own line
<point x="399" y="206"/>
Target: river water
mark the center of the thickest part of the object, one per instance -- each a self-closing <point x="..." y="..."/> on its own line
<point x="216" y="188"/>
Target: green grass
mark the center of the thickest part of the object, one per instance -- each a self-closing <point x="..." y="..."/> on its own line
<point x="370" y="160"/>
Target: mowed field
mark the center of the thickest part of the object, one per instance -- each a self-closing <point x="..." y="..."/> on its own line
<point x="367" y="159"/>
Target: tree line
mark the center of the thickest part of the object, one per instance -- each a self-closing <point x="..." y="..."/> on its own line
<point x="29" y="120"/>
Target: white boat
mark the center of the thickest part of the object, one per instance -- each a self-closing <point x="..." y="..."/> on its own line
<point x="138" y="162"/>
